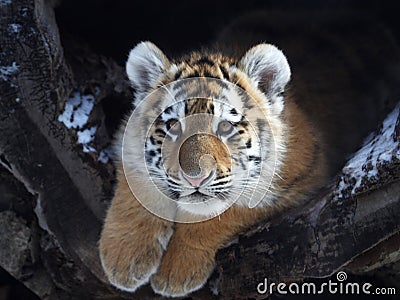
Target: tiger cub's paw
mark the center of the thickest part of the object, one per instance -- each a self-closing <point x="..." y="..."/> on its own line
<point x="130" y="260"/>
<point x="182" y="272"/>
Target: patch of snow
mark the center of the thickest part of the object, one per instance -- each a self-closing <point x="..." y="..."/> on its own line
<point x="6" y="71"/>
<point x="87" y="148"/>
<point x="387" y="156"/>
<point x="105" y="155"/>
<point x="15" y="28"/>
<point x="77" y="110"/>
<point x="5" y="2"/>
<point x="378" y="149"/>
<point x="85" y="137"/>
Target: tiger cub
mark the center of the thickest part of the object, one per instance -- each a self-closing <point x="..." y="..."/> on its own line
<point x="217" y="129"/>
<point x="137" y="246"/>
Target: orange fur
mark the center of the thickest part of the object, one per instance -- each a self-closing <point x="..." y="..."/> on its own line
<point x="133" y="244"/>
<point x="129" y="246"/>
<point x="189" y="259"/>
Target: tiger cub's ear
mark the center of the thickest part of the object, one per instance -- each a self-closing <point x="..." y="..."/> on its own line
<point x="145" y="64"/>
<point x="267" y="66"/>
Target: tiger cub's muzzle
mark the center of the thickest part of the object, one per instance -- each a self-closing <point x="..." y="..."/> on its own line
<point x="202" y="157"/>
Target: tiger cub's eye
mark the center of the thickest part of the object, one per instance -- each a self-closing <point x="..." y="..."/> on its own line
<point x="174" y="127"/>
<point x="225" y="128"/>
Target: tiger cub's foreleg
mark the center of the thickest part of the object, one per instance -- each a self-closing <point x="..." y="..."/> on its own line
<point x="190" y="256"/>
<point x="132" y="241"/>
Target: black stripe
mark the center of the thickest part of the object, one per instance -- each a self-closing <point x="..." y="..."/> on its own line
<point x="211" y="108"/>
<point x="194" y="74"/>
<point x="168" y="110"/>
<point x="178" y="74"/>
<point x="186" y="108"/>
<point x="220" y="83"/>
<point x="205" y="60"/>
<point x="224" y="72"/>
<point x="248" y="143"/>
<point x="207" y="73"/>
<point x="256" y="159"/>
<point x="158" y="163"/>
<point x="160" y="132"/>
<point x="151" y="153"/>
<point x="219" y="183"/>
<point x="246" y="100"/>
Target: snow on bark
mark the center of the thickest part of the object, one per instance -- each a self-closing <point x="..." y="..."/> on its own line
<point x="368" y="164"/>
<point x="77" y="110"/>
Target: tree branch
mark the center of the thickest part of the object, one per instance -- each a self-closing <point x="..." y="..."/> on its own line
<point x="352" y="216"/>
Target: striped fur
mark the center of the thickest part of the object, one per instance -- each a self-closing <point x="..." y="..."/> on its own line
<point x="267" y="130"/>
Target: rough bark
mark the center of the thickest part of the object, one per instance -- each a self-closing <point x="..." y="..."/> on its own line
<point x="56" y="180"/>
<point x="67" y="187"/>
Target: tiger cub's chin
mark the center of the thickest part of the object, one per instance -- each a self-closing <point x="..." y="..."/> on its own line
<point x="207" y="208"/>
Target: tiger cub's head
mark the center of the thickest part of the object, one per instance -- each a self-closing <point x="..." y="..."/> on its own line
<point x="211" y="126"/>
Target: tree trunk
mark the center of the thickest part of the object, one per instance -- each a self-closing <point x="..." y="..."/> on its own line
<point x="59" y="105"/>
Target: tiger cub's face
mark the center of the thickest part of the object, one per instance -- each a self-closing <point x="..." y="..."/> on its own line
<point x="211" y="127"/>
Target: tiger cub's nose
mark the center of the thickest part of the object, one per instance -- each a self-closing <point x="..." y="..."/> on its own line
<point x="196" y="159"/>
<point x="204" y="170"/>
<point x="194" y="181"/>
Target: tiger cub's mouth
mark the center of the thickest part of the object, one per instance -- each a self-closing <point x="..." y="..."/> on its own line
<point x="195" y="197"/>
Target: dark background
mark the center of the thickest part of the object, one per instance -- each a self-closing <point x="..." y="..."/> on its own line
<point x="112" y="28"/>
